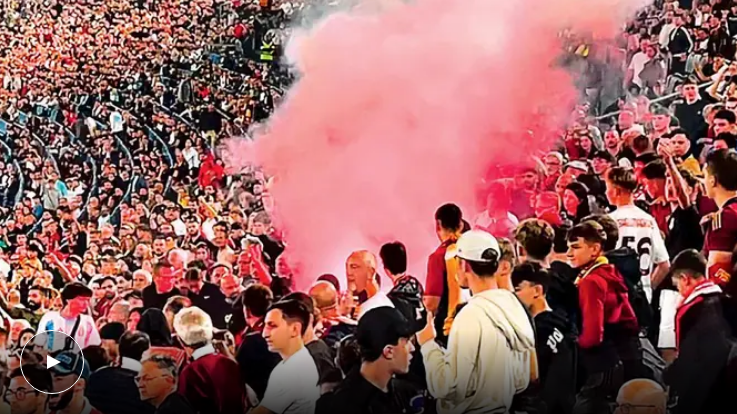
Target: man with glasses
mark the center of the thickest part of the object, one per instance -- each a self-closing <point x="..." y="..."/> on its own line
<point x="157" y="384"/>
<point x="21" y="396"/>
<point x="113" y="389"/>
<point x="641" y="396"/>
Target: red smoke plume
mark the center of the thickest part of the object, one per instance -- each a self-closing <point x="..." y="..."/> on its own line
<point x="400" y="110"/>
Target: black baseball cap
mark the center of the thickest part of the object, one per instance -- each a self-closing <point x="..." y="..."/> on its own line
<point x="380" y="327"/>
<point x="71" y="363"/>
<point x="75" y="290"/>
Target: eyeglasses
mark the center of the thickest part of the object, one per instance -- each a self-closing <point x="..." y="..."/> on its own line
<point x="628" y="408"/>
<point x="141" y="379"/>
<point x="19" y="394"/>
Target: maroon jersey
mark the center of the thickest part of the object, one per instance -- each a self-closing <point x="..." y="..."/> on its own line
<point x="721" y="236"/>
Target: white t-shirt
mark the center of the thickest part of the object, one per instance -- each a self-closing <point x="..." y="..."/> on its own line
<point x="639" y="231"/>
<point x="85" y="336"/>
<point x="483" y="219"/>
<point x="379" y="300"/>
<point x="637" y="64"/>
<point x="292" y="387"/>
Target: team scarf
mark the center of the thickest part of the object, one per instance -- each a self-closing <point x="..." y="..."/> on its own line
<point x="597" y="263"/>
<point x="693" y="297"/>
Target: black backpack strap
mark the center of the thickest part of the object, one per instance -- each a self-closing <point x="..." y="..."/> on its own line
<point x="69" y="343"/>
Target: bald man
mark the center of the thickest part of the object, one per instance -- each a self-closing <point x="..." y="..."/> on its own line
<point x="360" y="269"/>
<point x="332" y="326"/>
<point x="641" y="396"/>
<point x="326" y="298"/>
<point x="363" y="282"/>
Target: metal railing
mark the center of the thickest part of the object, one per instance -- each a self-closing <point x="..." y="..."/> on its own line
<point x="655" y="101"/>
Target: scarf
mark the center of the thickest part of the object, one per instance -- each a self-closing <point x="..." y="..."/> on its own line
<point x="597" y="263"/>
<point x="691" y="298"/>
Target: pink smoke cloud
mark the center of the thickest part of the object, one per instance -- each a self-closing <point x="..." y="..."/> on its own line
<point x="402" y="109"/>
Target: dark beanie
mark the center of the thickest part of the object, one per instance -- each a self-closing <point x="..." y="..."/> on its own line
<point x="112" y="331"/>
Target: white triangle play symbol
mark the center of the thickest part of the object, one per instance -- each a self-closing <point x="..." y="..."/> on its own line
<point x="51" y="362"/>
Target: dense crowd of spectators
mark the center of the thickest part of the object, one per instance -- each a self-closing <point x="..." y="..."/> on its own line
<point x="597" y="278"/>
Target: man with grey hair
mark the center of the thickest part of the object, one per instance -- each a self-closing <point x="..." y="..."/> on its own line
<point x="157" y="384"/>
<point x="211" y="382"/>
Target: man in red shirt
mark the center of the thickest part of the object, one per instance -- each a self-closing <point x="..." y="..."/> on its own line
<point x="609" y="334"/>
<point x="442" y="291"/>
<point x="653" y="180"/>
<point x="720" y="176"/>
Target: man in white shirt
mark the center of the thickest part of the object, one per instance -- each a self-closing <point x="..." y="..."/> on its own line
<point x="71" y="320"/>
<point x="363" y="282"/>
<point x="637" y="229"/>
<point x="293" y="384"/>
<point x="637" y="64"/>
<point x="490" y="355"/>
<point x="665" y="31"/>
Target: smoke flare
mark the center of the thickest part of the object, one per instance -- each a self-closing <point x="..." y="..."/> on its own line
<point x="404" y="107"/>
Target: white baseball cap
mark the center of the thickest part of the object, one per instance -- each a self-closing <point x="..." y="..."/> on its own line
<point x="473" y="244"/>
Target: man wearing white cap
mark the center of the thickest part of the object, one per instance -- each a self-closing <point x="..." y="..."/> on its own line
<point x="490" y="355"/>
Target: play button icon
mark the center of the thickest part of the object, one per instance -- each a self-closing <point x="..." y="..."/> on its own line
<point x="63" y="358"/>
<point x="51" y="362"/>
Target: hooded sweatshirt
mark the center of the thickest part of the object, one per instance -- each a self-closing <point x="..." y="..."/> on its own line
<point x="490" y="356"/>
<point x="608" y="318"/>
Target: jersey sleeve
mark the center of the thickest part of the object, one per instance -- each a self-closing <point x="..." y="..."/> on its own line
<point x="723" y="234"/>
<point x="660" y="252"/>
<point x="435" y="275"/>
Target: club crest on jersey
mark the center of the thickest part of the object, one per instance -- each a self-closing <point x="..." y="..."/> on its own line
<point x="723" y="275"/>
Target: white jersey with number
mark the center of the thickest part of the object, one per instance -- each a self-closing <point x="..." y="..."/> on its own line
<point x="639" y="231"/>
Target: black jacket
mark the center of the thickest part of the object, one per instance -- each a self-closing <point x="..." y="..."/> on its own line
<point x="113" y="390"/>
<point x="703" y="378"/>
<point x="556" y="349"/>
<point x="212" y="300"/>
<point x="153" y="299"/>
<point x="356" y="395"/>
<point x="175" y="404"/>
<point x="256" y="362"/>
<point x="562" y="293"/>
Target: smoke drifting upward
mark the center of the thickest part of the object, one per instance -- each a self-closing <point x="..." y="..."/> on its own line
<point x="400" y="110"/>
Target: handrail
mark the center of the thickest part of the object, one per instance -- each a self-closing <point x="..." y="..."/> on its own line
<point x="16" y="165"/>
<point x="154" y="137"/>
<point x="94" y="182"/>
<point x="656" y="100"/>
<point x="47" y="151"/>
<point x="134" y="177"/>
<point x="167" y="153"/>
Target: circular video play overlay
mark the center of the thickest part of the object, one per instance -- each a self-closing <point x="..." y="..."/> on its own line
<point x="61" y="355"/>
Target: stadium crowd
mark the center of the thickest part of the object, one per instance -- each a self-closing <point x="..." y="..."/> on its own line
<point x="596" y="279"/>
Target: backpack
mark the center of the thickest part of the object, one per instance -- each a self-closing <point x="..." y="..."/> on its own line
<point x="406" y="295"/>
<point x="626" y="262"/>
<point x="653" y="364"/>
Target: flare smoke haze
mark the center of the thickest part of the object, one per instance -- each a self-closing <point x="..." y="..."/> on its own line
<point x="401" y="108"/>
